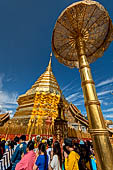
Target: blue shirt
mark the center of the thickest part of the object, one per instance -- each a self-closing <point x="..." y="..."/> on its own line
<point x="24" y="146"/>
<point x="93" y="163"/>
<point x="6" y="148"/>
<point x="16" y="157"/>
<point x="40" y="162"/>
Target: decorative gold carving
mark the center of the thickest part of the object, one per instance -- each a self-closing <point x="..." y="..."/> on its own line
<point x="92" y="102"/>
<point x="83" y="66"/>
<point x="87" y="82"/>
<point x="98" y="132"/>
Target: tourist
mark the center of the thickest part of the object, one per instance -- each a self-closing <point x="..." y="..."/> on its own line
<point x="77" y="148"/>
<point x="1" y="150"/>
<point x="49" y="142"/>
<point x="56" y="163"/>
<point x="65" y="154"/>
<point x="3" y="144"/>
<point x="16" y="142"/>
<point x="19" y="152"/>
<point x="7" y="145"/>
<point x="87" y="160"/>
<point x="28" y="160"/>
<point x="42" y="159"/>
<point x="71" y="160"/>
<point x="23" y="144"/>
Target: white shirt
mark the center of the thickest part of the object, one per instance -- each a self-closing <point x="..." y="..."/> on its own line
<point x="55" y="164"/>
<point x="49" y="154"/>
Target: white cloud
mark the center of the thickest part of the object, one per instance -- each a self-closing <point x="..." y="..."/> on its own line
<point x="74" y="96"/>
<point x="106" y="103"/>
<point x="1" y="79"/>
<point x="79" y="103"/>
<point x="7" y="99"/>
<point x="66" y="87"/>
<point x="108" y="115"/>
<point x="70" y="86"/>
<point x="9" y="79"/>
<point x="104" y="92"/>
<point x="108" y="110"/>
<point x="8" y="105"/>
<point x="102" y="83"/>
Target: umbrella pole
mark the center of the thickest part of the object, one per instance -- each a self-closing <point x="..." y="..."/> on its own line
<point x="100" y="137"/>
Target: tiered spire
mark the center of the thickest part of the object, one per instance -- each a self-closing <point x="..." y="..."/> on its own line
<point x="49" y="68"/>
<point x="46" y="82"/>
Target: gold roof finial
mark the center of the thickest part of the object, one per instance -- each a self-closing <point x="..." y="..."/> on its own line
<point x="49" y="65"/>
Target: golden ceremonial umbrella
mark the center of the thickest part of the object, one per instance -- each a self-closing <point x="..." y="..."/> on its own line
<point x="81" y="34"/>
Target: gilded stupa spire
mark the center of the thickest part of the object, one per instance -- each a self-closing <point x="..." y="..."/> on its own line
<point x="46" y="82"/>
<point x="49" y="68"/>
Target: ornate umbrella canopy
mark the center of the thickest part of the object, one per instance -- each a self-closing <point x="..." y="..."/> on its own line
<point x="87" y="19"/>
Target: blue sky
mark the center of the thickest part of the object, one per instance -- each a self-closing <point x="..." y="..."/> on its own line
<point x="25" y="44"/>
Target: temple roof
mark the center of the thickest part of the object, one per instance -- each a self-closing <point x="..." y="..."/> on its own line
<point x="77" y="115"/>
<point x="4" y="117"/>
<point x="45" y="83"/>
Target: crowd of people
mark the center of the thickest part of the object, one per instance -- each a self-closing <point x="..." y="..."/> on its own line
<point x="42" y="154"/>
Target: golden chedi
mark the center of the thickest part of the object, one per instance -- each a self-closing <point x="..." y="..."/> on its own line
<point x="38" y="107"/>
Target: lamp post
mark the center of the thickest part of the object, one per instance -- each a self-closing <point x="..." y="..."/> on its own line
<point x="82" y="33"/>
